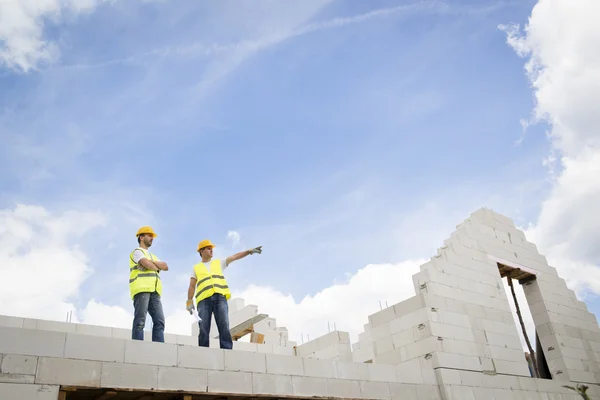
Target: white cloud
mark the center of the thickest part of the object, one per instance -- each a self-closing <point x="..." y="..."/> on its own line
<point x="23" y="45"/>
<point x="234" y="237"/>
<point x="562" y="45"/>
<point x="346" y="304"/>
<point x="98" y="313"/>
<point x="40" y="270"/>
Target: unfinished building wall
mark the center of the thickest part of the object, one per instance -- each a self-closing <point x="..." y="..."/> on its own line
<point x="460" y="328"/>
<point x="331" y="346"/>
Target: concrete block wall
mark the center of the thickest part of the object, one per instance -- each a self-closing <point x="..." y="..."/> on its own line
<point x="34" y="363"/>
<point x="272" y="333"/>
<point x="334" y="345"/>
<point x="377" y="342"/>
<point x="103" y="332"/>
<point x="239" y="312"/>
<point x="461" y="319"/>
<point x="568" y="332"/>
<point x="461" y="385"/>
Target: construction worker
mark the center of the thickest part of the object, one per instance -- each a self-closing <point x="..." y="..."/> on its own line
<point x="145" y="287"/>
<point x="209" y="291"/>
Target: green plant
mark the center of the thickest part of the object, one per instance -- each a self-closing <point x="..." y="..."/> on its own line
<point x="581" y="390"/>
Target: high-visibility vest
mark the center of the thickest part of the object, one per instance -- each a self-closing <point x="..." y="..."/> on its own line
<point x="209" y="283"/>
<point x="142" y="280"/>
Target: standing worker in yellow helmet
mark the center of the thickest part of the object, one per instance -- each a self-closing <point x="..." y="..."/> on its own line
<point x="209" y="291"/>
<point x="145" y="287"/>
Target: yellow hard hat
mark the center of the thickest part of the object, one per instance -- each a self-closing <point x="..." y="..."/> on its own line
<point x="205" y="243"/>
<point x="145" y="229"/>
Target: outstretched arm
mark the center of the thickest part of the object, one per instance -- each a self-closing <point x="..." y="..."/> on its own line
<point x="242" y="254"/>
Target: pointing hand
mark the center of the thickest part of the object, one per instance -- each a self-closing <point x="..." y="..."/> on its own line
<point x="256" y="250"/>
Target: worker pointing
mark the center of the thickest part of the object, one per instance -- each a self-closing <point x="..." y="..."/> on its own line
<point x="209" y="291"/>
<point x="145" y="287"/>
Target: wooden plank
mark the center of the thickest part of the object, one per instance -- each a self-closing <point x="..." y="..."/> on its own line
<point x="246" y="327"/>
<point x="257" y="338"/>
<point x="527" y="279"/>
<point x="106" y="395"/>
<point x="62" y="395"/>
<point x="510" y="264"/>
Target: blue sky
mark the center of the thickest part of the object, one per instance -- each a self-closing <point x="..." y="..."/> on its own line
<point x="334" y="133"/>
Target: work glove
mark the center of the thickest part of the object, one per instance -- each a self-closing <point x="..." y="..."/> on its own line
<point x="256" y="250"/>
<point x="189" y="305"/>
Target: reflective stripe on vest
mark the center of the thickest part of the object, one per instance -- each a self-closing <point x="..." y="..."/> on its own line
<point x="142" y="280"/>
<point x="207" y="283"/>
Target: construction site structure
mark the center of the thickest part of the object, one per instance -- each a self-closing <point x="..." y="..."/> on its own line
<point x="456" y="339"/>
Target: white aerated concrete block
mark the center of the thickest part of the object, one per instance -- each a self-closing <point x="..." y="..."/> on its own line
<point x="334" y="352"/>
<point x="280" y="385"/>
<point x="31" y="342"/>
<point x="93" y="330"/>
<point x="345" y="389"/>
<point x="431" y="392"/>
<point x="17" y="378"/>
<point x="120" y="333"/>
<point x="363" y="354"/>
<point x="18" y="364"/>
<point x="56" y="326"/>
<point x="245" y="361"/>
<point x="245" y="346"/>
<point x="200" y="357"/>
<point x="264" y="348"/>
<point x="17" y="391"/>
<point x="409" y="305"/>
<point x="284" y="365"/>
<point x="64" y="371"/>
<point x="129" y="376"/>
<point x="187" y="340"/>
<point x="288" y="351"/>
<point x="308" y="387"/>
<point x="457" y="361"/>
<point x="150" y="353"/>
<point x="383" y="373"/>
<point x="383" y="345"/>
<point x="11" y="322"/>
<point x="94" y="348"/>
<point x="381" y="317"/>
<point x="375" y="390"/>
<point x="170" y="338"/>
<point x="307" y="348"/>
<point x="319" y="368"/>
<point x="409" y="372"/>
<point x="266" y="325"/>
<point x="235" y="304"/>
<point x="353" y="371"/>
<point x="404" y="391"/>
<point x="394" y="357"/>
<point x="182" y="379"/>
<point x="240" y="316"/>
<point x="229" y="382"/>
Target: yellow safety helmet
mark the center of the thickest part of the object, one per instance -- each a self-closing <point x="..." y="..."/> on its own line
<point x="205" y="243"/>
<point x="145" y="229"/>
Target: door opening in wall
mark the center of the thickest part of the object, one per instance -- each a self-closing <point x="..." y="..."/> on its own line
<point x="534" y="355"/>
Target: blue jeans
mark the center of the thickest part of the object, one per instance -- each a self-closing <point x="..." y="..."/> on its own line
<point x="148" y="303"/>
<point x="217" y="305"/>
